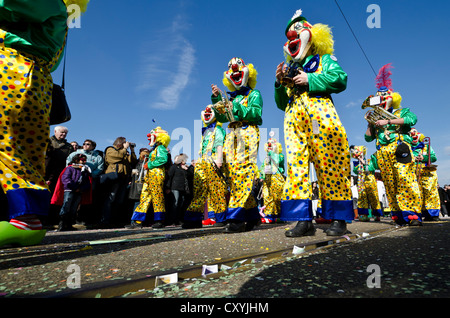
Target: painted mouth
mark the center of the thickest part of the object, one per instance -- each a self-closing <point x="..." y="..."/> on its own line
<point x="237" y="77"/>
<point x="207" y="116"/>
<point x="294" y="47"/>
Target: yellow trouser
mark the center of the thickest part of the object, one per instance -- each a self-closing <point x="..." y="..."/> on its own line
<point x="208" y="187"/>
<point x="402" y="188"/>
<point x="26" y="88"/>
<point x="152" y="192"/>
<point x="241" y="150"/>
<point x="272" y="191"/>
<point x="368" y="195"/>
<point x="327" y="147"/>
<point x="430" y="195"/>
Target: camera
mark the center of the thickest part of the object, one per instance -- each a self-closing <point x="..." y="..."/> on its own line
<point x="132" y="144"/>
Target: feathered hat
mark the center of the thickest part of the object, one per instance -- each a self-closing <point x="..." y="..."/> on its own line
<point x="383" y="83"/>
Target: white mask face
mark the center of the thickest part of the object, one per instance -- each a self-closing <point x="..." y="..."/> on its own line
<point x="299" y="41"/>
<point x="237" y="73"/>
<point x="208" y="115"/>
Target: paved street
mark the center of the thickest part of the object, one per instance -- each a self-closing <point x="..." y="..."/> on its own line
<point x="410" y="261"/>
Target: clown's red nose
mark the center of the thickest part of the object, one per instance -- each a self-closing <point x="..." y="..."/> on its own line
<point x="235" y="67"/>
<point x="291" y="35"/>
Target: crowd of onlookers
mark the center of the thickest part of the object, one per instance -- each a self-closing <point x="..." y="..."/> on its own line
<point x="108" y="202"/>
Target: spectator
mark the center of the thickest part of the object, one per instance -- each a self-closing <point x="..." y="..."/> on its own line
<point x="57" y="152"/>
<point x="444" y="200"/>
<point x="88" y="213"/>
<point x="117" y="159"/>
<point x="94" y="157"/>
<point x="137" y="175"/>
<point x="73" y="183"/>
<point x="177" y="182"/>
<point x="447" y="191"/>
<point x="315" y="197"/>
<point x="190" y="180"/>
<point x="75" y="145"/>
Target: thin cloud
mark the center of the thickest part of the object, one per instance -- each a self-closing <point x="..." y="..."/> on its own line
<point x="167" y="67"/>
<point x="354" y="104"/>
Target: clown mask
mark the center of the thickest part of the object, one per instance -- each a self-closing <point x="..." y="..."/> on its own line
<point x="237" y="73"/>
<point x="415" y="135"/>
<point x="298" y="33"/>
<point x="208" y="115"/>
<point x="151" y="137"/>
<point x="358" y="151"/>
<point x="386" y="97"/>
<point x="272" y="145"/>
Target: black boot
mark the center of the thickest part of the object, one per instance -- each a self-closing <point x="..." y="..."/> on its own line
<point x="192" y="225"/>
<point x="134" y="225"/>
<point x="302" y="228"/>
<point x="337" y="228"/>
<point x="249" y="225"/>
<point x="158" y="225"/>
<point x="235" y="227"/>
<point x="65" y="224"/>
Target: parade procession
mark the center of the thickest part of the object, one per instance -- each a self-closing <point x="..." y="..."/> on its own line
<point x="247" y="197"/>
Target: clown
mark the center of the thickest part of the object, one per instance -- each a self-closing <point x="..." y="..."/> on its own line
<point x="153" y="187"/>
<point x="367" y="186"/>
<point x="209" y="183"/>
<point x="272" y="174"/>
<point x="393" y="156"/>
<point x="302" y="91"/>
<point x="32" y="38"/>
<point x="243" y="112"/>
<point x="426" y="175"/>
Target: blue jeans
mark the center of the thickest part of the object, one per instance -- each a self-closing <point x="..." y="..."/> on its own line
<point x="70" y="204"/>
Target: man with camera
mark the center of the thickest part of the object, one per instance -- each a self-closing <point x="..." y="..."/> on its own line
<point x="119" y="164"/>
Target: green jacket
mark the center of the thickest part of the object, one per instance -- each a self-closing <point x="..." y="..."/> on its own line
<point x="245" y="108"/>
<point x="332" y="79"/>
<point x="158" y="157"/>
<point x="410" y="119"/>
<point x="219" y="139"/>
<point x="417" y="150"/>
<point x="36" y="27"/>
<point x="277" y="160"/>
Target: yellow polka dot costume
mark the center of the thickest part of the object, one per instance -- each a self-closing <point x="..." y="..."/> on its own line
<point x="242" y="141"/>
<point x="31" y="43"/>
<point x="367" y="186"/>
<point x="426" y="173"/>
<point x="209" y="185"/>
<point x="272" y="174"/>
<point x="313" y="130"/>
<point x="394" y="156"/>
<point x="153" y="187"/>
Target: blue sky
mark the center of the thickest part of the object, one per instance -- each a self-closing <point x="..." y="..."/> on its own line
<point x="138" y="64"/>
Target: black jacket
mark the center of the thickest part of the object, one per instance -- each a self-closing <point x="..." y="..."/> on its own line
<point x="442" y="195"/>
<point x="177" y="178"/>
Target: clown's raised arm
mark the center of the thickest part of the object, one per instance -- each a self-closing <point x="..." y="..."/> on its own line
<point x="246" y="101"/>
